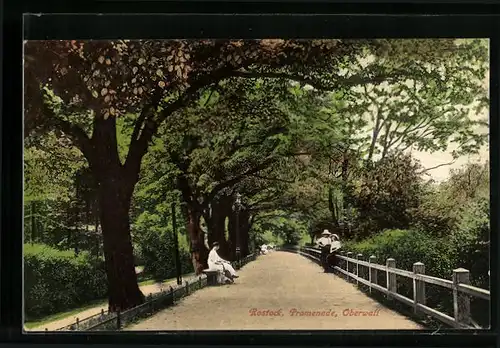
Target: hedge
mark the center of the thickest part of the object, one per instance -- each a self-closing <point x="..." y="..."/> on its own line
<point x="56" y="280"/>
<point x="439" y="255"/>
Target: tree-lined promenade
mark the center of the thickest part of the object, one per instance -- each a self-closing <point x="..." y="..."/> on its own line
<point x="253" y="142"/>
<point x="270" y="296"/>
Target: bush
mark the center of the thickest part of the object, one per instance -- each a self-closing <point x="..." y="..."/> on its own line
<point x="466" y="248"/>
<point x="470" y="241"/>
<point x="437" y="214"/>
<point x="56" y="280"/>
<point x="157" y="252"/>
<point x="408" y="247"/>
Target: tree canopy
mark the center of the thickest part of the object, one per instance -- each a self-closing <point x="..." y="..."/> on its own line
<point x="310" y="134"/>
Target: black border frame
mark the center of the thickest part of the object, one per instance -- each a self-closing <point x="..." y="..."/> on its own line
<point x="218" y="26"/>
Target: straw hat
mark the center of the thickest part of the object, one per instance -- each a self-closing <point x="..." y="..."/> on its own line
<point x="325" y="233"/>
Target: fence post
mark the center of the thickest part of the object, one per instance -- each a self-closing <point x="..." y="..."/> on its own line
<point x="187" y="288"/>
<point x="349" y="255"/>
<point x="77" y="323"/>
<point x="172" y="294"/>
<point x="199" y="282"/>
<point x="358" y="273"/>
<point x="418" y="286"/>
<point x="461" y="301"/>
<point x="372" y="272"/>
<point x="150" y="300"/>
<point x="102" y="312"/>
<point x="391" y="277"/>
<point x="341" y="262"/>
<point x="118" y="320"/>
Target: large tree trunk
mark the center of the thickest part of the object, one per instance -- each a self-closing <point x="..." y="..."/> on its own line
<point x="115" y="187"/>
<point x="123" y="289"/>
<point x="216" y="224"/>
<point x="332" y="206"/>
<point x="199" y="253"/>
<point x="375" y="134"/>
<point x="192" y="213"/>
<point x="232" y="236"/>
<point x="244" y="220"/>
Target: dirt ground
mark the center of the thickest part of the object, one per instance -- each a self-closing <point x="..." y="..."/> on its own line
<point x="278" y="291"/>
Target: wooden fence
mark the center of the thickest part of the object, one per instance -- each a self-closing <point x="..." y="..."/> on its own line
<point x="107" y="321"/>
<point x="459" y="284"/>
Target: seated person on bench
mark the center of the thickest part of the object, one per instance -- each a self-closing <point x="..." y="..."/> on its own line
<point x="215" y="262"/>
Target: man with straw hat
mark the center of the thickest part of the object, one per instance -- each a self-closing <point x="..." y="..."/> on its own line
<point x="324" y="243"/>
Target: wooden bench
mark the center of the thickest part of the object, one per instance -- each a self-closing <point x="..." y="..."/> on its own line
<point x="213" y="277"/>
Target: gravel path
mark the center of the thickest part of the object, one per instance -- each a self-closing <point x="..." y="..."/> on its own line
<point x="278" y="291"/>
<point x="146" y="290"/>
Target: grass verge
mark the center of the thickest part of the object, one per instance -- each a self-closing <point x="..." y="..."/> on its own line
<point x="97" y="303"/>
<point x="61" y="315"/>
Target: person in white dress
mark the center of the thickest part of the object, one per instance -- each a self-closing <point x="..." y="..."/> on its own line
<point x="334" y="250"/>
<point x="335" y="242"/>
<point x="215" y="262"/>
<point x="263" y="249"/>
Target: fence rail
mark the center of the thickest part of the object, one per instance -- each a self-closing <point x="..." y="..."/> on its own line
<point x="112" y="321"/>
<point x="460" y="284"/>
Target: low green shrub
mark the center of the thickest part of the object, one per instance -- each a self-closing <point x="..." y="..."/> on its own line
<point x="465" y="247"/>
<point x="56" y="280"/>
<point x="408" y="247"/>
<point x="157" y="251"/>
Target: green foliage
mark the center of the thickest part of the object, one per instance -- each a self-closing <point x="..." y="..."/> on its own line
<point x="269" y="238"/>
<point x="438" y="213"/>
<point x="156" y="249"/>
<point x="467" y="248"/>
<point x="470" y="240"/>
<point x="302" y="158"/>
<point x="452" y="221"/>
<point x="57" y="280"/>
<point x="290" y="230"/>
<point x="55" y="179"/>
<point x="386" y="193"/>
<point x="60" y="205"/>
<point x="408" y="247"/>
